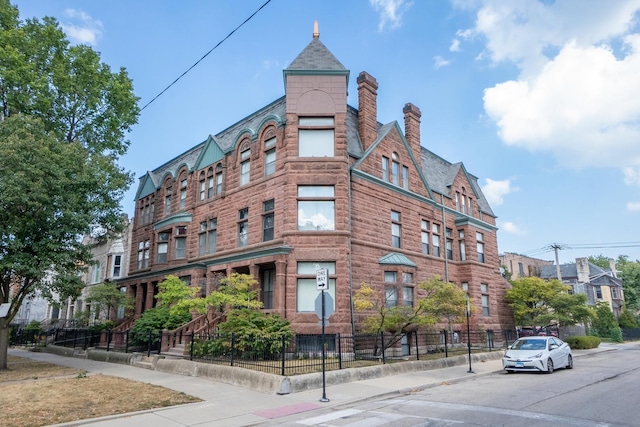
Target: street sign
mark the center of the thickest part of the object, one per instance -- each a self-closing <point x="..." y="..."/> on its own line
<point x="328" y="305"/>
<point x="322" y="279"/>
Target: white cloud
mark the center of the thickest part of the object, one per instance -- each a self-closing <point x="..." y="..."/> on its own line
<point x="390" y="11"/>
<point x="455" y="46"/>
<point x="511" y="228"/>
<point x="631" y="176"/>
<point x="577" y="94"/>
<point x="633" y="206"/>
<point x="439" y="61"/>
<point x="494" y="191"/>
<point x="82" y="28"/>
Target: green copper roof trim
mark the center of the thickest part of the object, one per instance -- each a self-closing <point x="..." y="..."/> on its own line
<point x="145" y="186"/>
<point x="173" y="219"/>
<point x="395" y="258"/>
<point x="163" y="272"/>
<point x="279" y="250"/>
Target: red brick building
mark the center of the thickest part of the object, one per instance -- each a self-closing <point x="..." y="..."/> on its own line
<point x="309" y="181"/>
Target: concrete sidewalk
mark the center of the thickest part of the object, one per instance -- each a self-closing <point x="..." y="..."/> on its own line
<point x="226" y="405"/>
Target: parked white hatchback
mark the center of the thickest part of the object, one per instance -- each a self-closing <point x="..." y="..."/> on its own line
<point x="537" y="353"/>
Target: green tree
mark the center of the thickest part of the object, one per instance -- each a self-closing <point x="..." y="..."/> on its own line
<point x="604" y="322"/>
<point x="627" y="320"/>
<point x="539" y="302"/>
<point x="629" y="273"/>
<point x="601" y="261"/>
<point x="63" y="120"/>
<point x="106" y="297"/>
<point x="234" y="292"/>
<point x="438" y="300"/>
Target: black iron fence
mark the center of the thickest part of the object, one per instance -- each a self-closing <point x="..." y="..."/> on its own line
<point x="291" y="355"/>
<point x="631" y="334"/>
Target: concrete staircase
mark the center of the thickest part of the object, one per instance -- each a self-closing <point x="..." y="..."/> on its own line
<point x="178" y="351"/>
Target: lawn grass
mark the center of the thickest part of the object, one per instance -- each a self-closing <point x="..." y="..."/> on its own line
<point x="34" y="394"/>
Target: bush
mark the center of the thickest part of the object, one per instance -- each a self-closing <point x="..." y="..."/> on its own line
<point x="583" y="342"/>
<point x="616" y="335"/>
<point x="155" y="319"/>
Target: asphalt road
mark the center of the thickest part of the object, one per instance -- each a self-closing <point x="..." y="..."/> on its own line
<point x="602" y="390"/>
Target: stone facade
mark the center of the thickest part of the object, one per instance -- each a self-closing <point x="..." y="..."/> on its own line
<point x="309" y="181"/>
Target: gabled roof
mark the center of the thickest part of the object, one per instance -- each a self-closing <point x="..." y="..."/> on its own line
<point x="440" y="174"/>
<point x="597" y="275"/>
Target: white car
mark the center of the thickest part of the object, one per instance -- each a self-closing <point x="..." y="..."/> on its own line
<point x="537" y="353"/>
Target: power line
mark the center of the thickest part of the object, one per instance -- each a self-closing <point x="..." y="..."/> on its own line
<point x="206" y="54"/>
<point x="560" y="246"/>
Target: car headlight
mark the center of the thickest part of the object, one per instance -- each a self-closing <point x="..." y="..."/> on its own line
<point x="537" y="356"/>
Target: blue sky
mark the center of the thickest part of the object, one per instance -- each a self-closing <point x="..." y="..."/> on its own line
<point x="539" y="99"/>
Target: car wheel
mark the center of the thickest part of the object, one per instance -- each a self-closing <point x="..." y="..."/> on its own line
<point x="569" y="362"/>
<point x="549" y="366"/>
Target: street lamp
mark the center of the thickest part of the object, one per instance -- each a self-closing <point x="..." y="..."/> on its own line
<point x="470" y="371"/>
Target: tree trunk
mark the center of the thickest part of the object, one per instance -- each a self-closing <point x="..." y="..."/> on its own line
<point x="4" y="343"/>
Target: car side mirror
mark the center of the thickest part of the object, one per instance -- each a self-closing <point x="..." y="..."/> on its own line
<point x="553" y="346"/>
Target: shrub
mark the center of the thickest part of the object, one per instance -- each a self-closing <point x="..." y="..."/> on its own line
<point x="626" y="320"/>
<point x="616" y="335"/>
<point x="155" y="319"/>
<point x="583" y="342"/>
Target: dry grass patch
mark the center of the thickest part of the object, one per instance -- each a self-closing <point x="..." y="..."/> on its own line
<point x="27" y="402"/>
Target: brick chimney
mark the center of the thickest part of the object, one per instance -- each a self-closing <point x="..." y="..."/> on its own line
<point x="412" y="116"/>
<point x="367" y="109"/>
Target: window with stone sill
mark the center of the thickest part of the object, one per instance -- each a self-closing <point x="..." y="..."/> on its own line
<point x="316" y="137"/>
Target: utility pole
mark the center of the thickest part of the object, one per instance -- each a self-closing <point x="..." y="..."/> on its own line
<point x="555" y="247"/>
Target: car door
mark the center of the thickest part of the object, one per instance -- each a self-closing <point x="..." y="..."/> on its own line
<point x="558" y="352"/>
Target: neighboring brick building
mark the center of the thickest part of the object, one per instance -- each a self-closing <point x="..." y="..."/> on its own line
<point x="522" y="266"/>
<point x="310" y="181"/>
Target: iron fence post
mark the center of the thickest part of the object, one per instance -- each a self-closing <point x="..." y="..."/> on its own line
<point x="339" y="351"/>
<point x="382" y="346"/>
<point x="282" y="371"/>
<point x="159" y="341"/>
<point x="446" y="349"/>
<point x="149" y="344"/>
<point x="193" y="338"/>
<point x="108" y="339"/>
<point x="417" y="348"/>
<point x="233" y="344"/>
<point x="126" y="341"/>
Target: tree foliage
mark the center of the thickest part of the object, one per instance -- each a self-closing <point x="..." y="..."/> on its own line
<point x="437" y="301"/>
<point x="539" y="302"/>
<point x="106" y="298"/>
<point x="604" y="321"/>
<point x="63" y="120"/>
<point x="629" y="273"/>
<point x="627" y="320"/>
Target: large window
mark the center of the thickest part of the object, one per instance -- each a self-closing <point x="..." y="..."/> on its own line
<point x="202" y="186"/>
<point x="267" y="220"/>
<point x="117" y="264"/>
<point x="424" y="235"/>
<point x="218" y="180"/>
<point x="210" y="183"/>
<point x="449" y="243"/>
<point x="396" y="230"/>
<point x="316" y="208"/>
<point x="461" y="246"/>
<point x="243" y="227"/>
<point x="270" y="156"/>
<point x="143" y="254"/>
<point x="307" y="291"/>
<point x="484" y="288"/>
<point x="480" y="246"/>
<point x="407" y="296"/>
<point x="385" y="168"/>
<point x="181" y="242"/>
<point x="163" y="246"/>
<point x="167" y="201"/>
<point x="316" y="137"/>
<point x="183" y="194"/>
<point x="245" y="166"/>
<point x="435" y="238"/>
<point x="266" y="290"/>
<point x="391" y="296"/>
<point x="405" y="177"/>
<point x="395" y="170"/>
<point x="212" y="235"/>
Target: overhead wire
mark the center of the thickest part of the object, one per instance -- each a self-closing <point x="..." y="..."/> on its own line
<point x="205" y="55"/>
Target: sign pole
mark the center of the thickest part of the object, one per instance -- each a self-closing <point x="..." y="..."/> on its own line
<point x="324" y="384"/>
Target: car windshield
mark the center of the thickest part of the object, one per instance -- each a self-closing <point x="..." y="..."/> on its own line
<point x="529" y="345"/>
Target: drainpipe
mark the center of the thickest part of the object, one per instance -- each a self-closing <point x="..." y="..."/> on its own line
<point x="444" y="233"/>
<point x="353" y="321"/>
